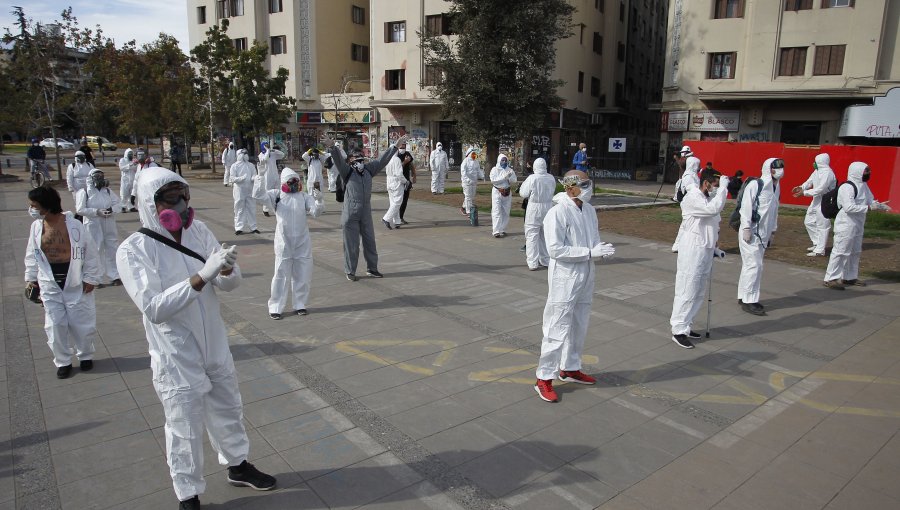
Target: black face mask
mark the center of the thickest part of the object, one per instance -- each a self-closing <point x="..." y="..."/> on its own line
<point x="866" y="177"/>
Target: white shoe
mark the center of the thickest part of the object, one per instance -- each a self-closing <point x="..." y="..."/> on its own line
<point x="815" y="254"/>
<point x="811" y="248"/>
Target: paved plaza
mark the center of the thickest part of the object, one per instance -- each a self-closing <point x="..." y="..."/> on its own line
<point x="415" y="391"/>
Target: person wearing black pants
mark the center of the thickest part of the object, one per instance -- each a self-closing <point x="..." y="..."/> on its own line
<point x="409" y="171"/>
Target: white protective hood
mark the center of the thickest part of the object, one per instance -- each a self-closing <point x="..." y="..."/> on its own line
<point x="288" y="174"/>
<point x="855" y="172"/>
<point x="823" y="160"/>
<point x="767" y="170"/>
<point x="539" y="166"/>
<point x="153" y="178"/>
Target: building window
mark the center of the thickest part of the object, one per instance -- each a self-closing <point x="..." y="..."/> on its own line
<point x="395" y="79"/>
<point x="600" y="5"/>
<point x="721" y="65"/>
<point x="395" y="31"/>
<point x="240" y="44"/>
<point x="598" y="43"/>
<point x="620" y="52"/>
<point x="595" y="87"/>
<point x="229" y="8"/>
<point x="201" y="15"/>
<point x="728" y="9"/>
<point x="433" y="76"/>
<point x="829" y="60"/>
<point x="275" y="6"/>
<point x="580" y="81"/>
<point x="792" y="62"/>
<point x="358" y="15"/>
<point x="837" y="3"/>
<point x="438" y="24"/>
<point x="798" y="5"/>
<point x="237" y="7"/>
<point x="359" y="53"/>
<point x="279" y="44"/>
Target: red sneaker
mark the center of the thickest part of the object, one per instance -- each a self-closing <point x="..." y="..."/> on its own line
<point x="576" y="377"/>
<point x="544" y="388"/>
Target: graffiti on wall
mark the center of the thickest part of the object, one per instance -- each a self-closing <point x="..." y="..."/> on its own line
<point x="600" y="173"/>
<point x="756" y="136"/>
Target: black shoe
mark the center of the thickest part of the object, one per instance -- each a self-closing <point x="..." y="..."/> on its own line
<point x="238" y="232"/>
<point x="190" y="504"/>
<point x="403" y="222"/>
<point x="275" y="316"/>
<point x="86" y="365"/>
<point x="302" y="311"/>
<point x="116" y="283"/>
<point x="255" y="231"/>
<point x="64" y="372"/>
<point x="754" y="308"/>
<point x="266" y="214"/>
<point x="682" y="341"/>
<point x="387" y="224"/>
<point x="693" y="334"/>
<point x="352" y="277"/>
<point x="374" y="273"/>
<point x="246" y="475"/>
<point x="133" y="209"/>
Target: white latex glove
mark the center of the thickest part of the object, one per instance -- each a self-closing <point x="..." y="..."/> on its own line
<point x="602" y="250"/>
<point x="719" y="254"/>
<point x="881" y="206"/>
<point x="214" y="263"/>
<point x="746" y="235"/>
<point x="723" y="183"/>
<point x="230" y="256"/>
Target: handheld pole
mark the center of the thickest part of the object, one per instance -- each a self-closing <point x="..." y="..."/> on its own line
<point x="709" y="295"/>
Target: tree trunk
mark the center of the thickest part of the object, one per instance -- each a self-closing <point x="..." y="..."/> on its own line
<point x="492" y="148"/>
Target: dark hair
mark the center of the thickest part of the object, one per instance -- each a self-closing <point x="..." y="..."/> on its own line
<point x="709" y="175"/>
<point x="47" y="197"/>
<point x="739" y="173"/>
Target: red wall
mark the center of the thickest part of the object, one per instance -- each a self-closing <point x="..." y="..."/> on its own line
<point x="728" y="157"/>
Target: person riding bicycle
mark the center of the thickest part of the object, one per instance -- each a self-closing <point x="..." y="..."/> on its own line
<point x="37" y="156"/>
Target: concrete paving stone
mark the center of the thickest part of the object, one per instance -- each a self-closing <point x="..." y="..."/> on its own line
<point x="378" y="380"/>
<point x="299" y="497"/>
<point x="128" y="349"/>
<point x="786" y="483"/>
<point x="854" y="496"/>
<point x="423" y="495"/>
<point x="305" y="428"/>
<point x="108" y="456"/>
<point x="464" y="442"/>
<point x="433" y="417"/>
<point x="257" y="369"/>
<point x="78" y="384"/>
<point x="268" y="387"/>
<point x="97" y="408"/>
<point x="523" y="461"/>
<point x="781" y="430"/>
<point x="321" y="457"/>
<point x="427" y="351"/>
<point x="364" y="482"/>
<point x="259" y="449"/>
<point x="352" y="365"/>
<point x="282" y="407"/>
<point x="498" y="394"/>
<point x="668" y="435"/>
<point x="573" y="437"/>
<point x="661" y="490"/>
<point x="623" y="461"/>
<point x="707" y="479"/>
<point x="565" y="488"/>
<point x="623" y="502"/>
<point x="684" y="382"/>
<point x="113" y="487"/>
<point x="89" y="433"/>
<point x="881" y="474"/>
<point x="154" y="415"/>
<point x="527" y="416"/>
<point x="145" y="395"/>
<point x="414" y="394"/>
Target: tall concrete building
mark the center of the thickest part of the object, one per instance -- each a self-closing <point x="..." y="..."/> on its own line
<point x="324" y="45"/>
<point x="792" y="71"/>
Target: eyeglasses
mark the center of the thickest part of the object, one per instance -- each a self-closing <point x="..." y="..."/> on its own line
<point x="588" y="184"/>
<point x="172" y="195"/>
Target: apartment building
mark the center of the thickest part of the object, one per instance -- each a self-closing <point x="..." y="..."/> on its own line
<point x="791" y="71"/>
<point x="324" y="45"/>
<point x="611" y="66"/>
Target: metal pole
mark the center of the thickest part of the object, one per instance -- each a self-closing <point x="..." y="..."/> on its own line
<point x="709" y="292"/>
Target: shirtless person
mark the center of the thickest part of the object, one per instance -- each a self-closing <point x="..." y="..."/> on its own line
<point x="62" y="261"/>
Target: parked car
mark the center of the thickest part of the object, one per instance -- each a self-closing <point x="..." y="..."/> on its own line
<point x="94" y="143"/>
<point x="54" y="142"/>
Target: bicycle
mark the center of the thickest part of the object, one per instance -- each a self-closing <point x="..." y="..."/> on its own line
<point x="40" y="173"/>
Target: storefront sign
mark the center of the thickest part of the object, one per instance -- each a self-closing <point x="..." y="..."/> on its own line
<point x="350" y="117"/>
<point x="677" y="121"/>
<point x="879" y="120"/>
<point x="309" y="117"/>
<point x="714" y="120"/>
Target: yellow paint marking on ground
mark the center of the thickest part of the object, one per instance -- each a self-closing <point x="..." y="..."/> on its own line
<point x="351" y="347"/>
<point x="499" y="373"/>
<point x="777" y="381"/>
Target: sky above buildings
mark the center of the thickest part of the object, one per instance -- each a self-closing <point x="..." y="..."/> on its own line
<point x="121" y="20"/>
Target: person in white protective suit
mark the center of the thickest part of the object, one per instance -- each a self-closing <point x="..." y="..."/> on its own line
<point x="854" y="200"/>
<point x="755" y="236"/>
<point x="98" y="205"/>
<point x="697" y="247"/>
<point x="241" y="175"/>
<point x="689" y="179"/>
<point x="573" y="241"/>
<point x="229" y="158"/>
<point x="193" y="372"/>
<point x="440" y="165"/>
<point x="128" y="168"/>
<point x="333" y="172"/>
<point x="293" y="247"/>
<point x="61" y="260"/>
<point x="539" y="189"/>
<point x="143" y="161"/>
<point x="470" y="172"/>
<point x="268" y="168"/>
<point x="78" y="173"/>
<point x="821" y="181"/>
<point x="502" y="178"/>
<point x="314" y="160"/>
<point x="680" y="159"/>
<point x="396" y="185"/>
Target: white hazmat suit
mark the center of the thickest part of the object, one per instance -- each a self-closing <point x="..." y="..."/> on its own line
<point x="77" y="175"/>
<point x="849" y="225"/>
<point x="501" y="179"/>
<point x="128" y="168"/>
<point x="539" y="189"/>
<point x="70" y="316"/>
<point x="99" y="207"/>
<point x="469" y="173"/>
<point x="314" y="160"/>
<point x="754" y="237"/>
<point x="396" y="185"/>
<point x="229" y="158"/>
<point x="293" y="247"/>
<point x="440" y="165"/>
<point x="193" y="372"/>
<point x="689" y="179"/>
<point x="241" y="176"/>
<point x="821" y="181"/>
<point x="268" y="169"/>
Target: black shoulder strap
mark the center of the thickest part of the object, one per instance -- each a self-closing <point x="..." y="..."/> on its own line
<point x="172" y="244"/>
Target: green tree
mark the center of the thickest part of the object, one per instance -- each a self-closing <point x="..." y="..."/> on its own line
<point x="497" y="71"/>
<point x="213" y="58"/>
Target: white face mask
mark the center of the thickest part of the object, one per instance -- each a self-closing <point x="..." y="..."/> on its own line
<point x="778" y="173"/>
<point x="34" y="213"/>
<point x="586" y="194"/>
<point x="358" y="166"/>
<point x="713" y="191"/>
<point x="245" y="157"/>
<point x="584" y="149"/>
<point x="401" y="151"/>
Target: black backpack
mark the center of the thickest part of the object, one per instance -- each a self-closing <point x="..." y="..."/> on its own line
<point x="829" y="204"/>
<point x="735" y="219"/>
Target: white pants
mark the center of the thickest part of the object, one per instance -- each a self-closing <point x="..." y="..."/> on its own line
<point x="332" y="178"/>
<point x="245" y="213"/>
<point x="125" y="190"/>
<point x="565" y="327"/>
<point x="844" y="261"/>
<point x="678" y="236"/>
<point x="106" y="238"/>
<point x="72" y="324"/>
<point x="395" y="198"/>
<point x="294" y="271"/>
<point x="691" y="279"/>
<point x="469" y="191"/>
<point x="817" y="227"/>
<point x="499" y="211"/>
<point x="437" y="180"/>
<point x="220" y="412"/>
<point x="752" y="255"/>
<point x="535" y="247"/>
